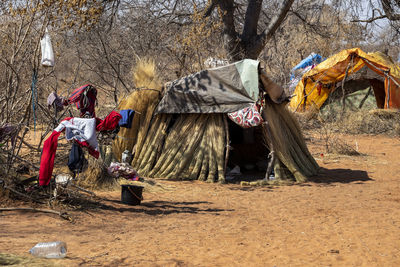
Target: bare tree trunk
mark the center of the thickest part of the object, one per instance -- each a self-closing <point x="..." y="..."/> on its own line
<point x="249" y="44"/>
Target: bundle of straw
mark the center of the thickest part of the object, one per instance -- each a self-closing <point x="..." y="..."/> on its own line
<point x="143" y="100"/>
<point x="192" y="149"/>
<point x="288" y="142"/>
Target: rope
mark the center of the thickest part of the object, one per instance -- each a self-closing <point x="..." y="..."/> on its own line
<point x="389" y="78"/>
<point x="34" y="96"/>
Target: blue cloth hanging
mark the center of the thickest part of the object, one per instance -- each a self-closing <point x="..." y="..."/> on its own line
<point x="127" y="118"/>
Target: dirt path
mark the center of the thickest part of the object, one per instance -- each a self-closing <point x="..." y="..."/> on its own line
<point x="349" y="216"/>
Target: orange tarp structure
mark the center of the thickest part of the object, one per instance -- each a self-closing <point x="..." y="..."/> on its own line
<point x="316" y="84"/>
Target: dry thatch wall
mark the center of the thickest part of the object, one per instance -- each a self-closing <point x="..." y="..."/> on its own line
<point x="144" y="102"/>
<point x="288" y="142"/>
<point x="193" y="146"/>
<point x="184" y="146"/>
<point x="190" y="146"/>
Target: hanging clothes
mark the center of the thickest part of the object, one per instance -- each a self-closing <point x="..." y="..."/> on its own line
<point x="81" y="131"/>
<point x="127" y="118"/>
<point x="53" y="100"/>
<point x="47" y="158"/>
<point x="76" y="160"/>
<point x="85" y="99"/>
<point x="110" y="122"/>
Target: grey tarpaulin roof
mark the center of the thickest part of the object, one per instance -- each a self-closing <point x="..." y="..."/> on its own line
<point x="218" y="90"/>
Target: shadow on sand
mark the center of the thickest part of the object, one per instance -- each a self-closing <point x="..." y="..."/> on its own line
<point x="327" y="176"/>
<point x="163" y="207"/>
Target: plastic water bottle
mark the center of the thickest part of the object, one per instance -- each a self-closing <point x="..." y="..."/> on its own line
<point x="50" y="250"/>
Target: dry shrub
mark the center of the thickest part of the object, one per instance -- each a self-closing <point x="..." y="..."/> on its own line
<point x="97" y="177"/>
<point x="308" y="120"/>
<point x="328" y="134"/>
<point x="341" y="147"/>
<point x="379" y="121"/>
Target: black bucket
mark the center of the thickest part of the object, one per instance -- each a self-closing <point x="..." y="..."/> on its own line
<point x="131" y="194"/>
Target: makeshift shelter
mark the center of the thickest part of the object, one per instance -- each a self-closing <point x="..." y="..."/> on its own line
<point x="317" y="84"/>
<point x="182" y="131"/>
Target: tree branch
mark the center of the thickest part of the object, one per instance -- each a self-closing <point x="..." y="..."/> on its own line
<point x="389" y="10"/>
<point x="251" y="19"/>
<point x="370" y="20"/>
<point x="277" y="20"/>
<point x="63" y="215"/>
<point x="210" y="8"/>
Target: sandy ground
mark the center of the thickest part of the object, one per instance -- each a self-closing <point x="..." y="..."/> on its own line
<point x="348" y="216"/>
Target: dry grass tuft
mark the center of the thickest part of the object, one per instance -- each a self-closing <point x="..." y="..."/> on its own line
<point x="144" y="75"/>
<point x="379" y="121"/>
<point x="15" y="260"/>
<point x="96" y="177"/>
<point x="275" y="182"/>
<point x="341" y="147"/>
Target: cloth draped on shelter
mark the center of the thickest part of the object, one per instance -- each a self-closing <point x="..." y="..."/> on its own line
<point x="247" y="117"/>
<point x="218" y="90"/>
<point x="127" y="118"/>
<point x="315" y="85"/>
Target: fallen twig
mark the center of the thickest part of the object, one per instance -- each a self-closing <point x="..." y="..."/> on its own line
<point x="28" y="145"/>
<point x="27" y="162"/>
<point x="23" y="195"/>
<point x="82" y="189"/>
<point x="63" y="215"/>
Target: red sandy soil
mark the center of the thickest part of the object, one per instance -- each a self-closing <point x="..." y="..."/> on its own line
<point x="348" y="216"/>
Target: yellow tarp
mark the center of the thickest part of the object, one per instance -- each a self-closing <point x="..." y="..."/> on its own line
<point x="316" y="84"/>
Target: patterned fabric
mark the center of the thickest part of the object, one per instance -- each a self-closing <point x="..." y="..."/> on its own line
<point x="247" y="117"/>
<point x="122" y="169"/>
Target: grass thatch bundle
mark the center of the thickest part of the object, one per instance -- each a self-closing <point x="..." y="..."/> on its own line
<point x="143" y="100"/>
<point x="193" y="148"/>
<point x="144" y="75"/>
<point x="288" y="142"/>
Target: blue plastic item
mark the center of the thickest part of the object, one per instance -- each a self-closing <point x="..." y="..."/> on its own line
<point x="312" y="59"/>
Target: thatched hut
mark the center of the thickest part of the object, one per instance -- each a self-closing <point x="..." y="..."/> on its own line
<point x="181" y="130"/>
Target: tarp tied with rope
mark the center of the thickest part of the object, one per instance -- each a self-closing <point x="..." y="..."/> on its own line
<point x="316" y="84"/>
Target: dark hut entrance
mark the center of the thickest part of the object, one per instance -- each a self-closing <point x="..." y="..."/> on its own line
<point x="248" y="153"/>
